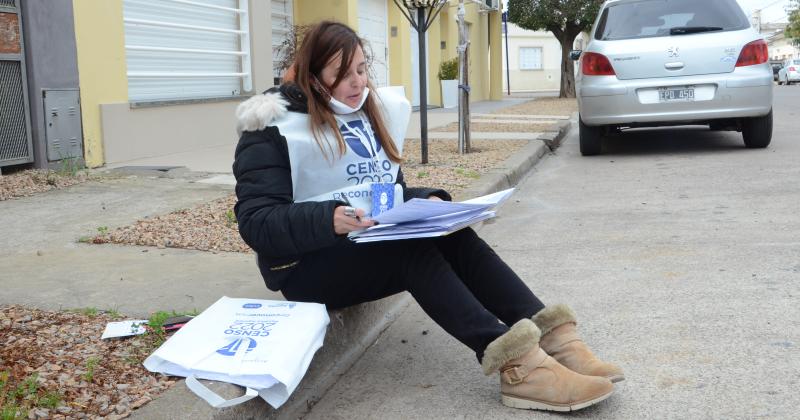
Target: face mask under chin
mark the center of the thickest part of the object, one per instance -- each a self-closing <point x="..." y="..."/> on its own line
<point x="341" y="108"/>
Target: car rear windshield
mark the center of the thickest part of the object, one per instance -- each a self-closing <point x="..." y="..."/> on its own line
<point x="651" y="18"/>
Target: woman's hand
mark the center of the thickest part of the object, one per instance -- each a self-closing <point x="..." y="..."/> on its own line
<point x="434" y="197"/>
<point x="343" y="223"/>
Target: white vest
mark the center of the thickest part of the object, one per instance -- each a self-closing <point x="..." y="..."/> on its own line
<point x="317" y="177"/>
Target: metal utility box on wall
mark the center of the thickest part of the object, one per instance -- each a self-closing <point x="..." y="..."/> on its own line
<point x="62" y="124"/>
<point x="16" y="146"/>
<point x="51" y="64"/>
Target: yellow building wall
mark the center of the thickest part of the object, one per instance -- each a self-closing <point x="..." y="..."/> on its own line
<point x="307" y="12"/>
<point x="399" y="50"/>
<point x="434" y="60"/>
<point x="485" y="56"/>
<point x="479" y="52"/>
<point x="495" y="56"/>
<point x="100" y="39"/>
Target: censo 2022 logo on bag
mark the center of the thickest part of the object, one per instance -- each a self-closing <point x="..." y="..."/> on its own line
<point x="234" y="346"/>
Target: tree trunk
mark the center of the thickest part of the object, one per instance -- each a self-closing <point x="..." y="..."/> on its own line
<point x="567" y="66"/>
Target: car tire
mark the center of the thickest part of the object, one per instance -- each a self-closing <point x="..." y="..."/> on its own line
<point x="757" y="131"/>
<point x="591" y="139"/>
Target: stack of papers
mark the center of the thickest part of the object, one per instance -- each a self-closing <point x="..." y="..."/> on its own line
<point x="420" y="218"/>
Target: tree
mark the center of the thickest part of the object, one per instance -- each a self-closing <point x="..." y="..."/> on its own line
<point x="566" y="19"/>
<point x="792" y="31"/>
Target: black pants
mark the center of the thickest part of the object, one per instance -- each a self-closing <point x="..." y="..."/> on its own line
<point x="458" y="280"/>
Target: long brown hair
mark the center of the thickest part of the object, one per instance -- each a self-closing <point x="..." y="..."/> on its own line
<point x="322" y="42"/>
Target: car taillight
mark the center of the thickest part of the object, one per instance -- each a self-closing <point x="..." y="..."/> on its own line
<point x="594" y="64"/>
<point x="753" y="53"/>
<point x="792" y="69"/>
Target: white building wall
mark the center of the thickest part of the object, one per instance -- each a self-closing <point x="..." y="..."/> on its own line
<point x="545" y="78"/>
<point x="780" y="49"/>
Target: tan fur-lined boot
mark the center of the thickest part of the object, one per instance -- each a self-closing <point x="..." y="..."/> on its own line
<point x="531" y="379"/>
<point x="560" y="339"/>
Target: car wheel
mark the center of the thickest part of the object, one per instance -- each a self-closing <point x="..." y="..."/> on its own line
<point x="757" y="131"/>
<point x="591" y="139"/>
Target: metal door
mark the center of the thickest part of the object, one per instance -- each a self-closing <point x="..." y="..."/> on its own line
<point x="16" y="146"/>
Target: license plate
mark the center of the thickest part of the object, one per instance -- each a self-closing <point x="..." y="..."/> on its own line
<point x="676" y="94"/>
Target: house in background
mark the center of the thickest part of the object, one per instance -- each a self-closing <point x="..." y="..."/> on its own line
<point x="113" y="81"/>
<point x="534" y="60"/>
<point x="781" y="48"/>
<point x="164" y="77"/>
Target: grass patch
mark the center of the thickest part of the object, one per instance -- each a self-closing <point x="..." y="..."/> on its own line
<point x="469" y="173"/>
<point x="69" y="167"/>
<point x="92" y="312"/>
<point x="155" y="324"/>
<point x="89" y="311"/>
<point x="16" y="400"/>
<point x="231" y="218"/>
<point x="91" y="364"/>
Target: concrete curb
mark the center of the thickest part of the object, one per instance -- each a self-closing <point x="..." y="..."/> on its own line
<point x="352" y="330"/>
<point x="510" y="172"/>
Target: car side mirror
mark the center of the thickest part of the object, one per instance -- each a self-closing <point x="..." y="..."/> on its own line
<point x="575" y="54"/>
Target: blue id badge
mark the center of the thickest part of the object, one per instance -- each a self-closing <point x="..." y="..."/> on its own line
<point x="382" y="197"/>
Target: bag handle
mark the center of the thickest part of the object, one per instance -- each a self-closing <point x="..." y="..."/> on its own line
<point x="213" y="398"/>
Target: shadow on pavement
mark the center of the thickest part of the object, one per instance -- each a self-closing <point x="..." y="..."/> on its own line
<point x="655" y="141"/>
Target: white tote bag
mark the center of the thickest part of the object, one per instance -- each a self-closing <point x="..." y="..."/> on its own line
<point x="263" y="345"/>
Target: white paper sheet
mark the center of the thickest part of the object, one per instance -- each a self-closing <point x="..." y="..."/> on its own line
<point x="124" y="328"/>
<point x="419" y="218"/>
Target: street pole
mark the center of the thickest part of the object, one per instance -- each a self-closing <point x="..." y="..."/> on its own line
<point x="423" y="88"/>
<point x="463" y="82"/>
<point x="508" y="69"/>
<point x="421" y="24"/>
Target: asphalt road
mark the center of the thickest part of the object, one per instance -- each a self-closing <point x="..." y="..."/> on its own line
<point x="680" y="251"/>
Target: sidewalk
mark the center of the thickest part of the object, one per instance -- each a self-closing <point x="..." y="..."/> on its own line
<point x="44" y="266"/>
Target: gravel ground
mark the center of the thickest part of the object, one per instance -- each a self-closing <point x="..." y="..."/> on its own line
<point x="543" y="106"/>
<point x="34" y="181"/>
<point x="208" y="227"/>
<point x="54" y="365"/>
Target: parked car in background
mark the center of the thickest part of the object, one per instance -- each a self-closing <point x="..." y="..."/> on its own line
<point x="790" y="73"/>
<point x="776" y="68"/>
<point x="654" y="63"/>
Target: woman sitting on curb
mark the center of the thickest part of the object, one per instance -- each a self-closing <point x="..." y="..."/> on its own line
<point x="328" y="129"/>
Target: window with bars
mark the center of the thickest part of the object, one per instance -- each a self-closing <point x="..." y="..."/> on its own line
<point x="530" y="58"/>
<point x="187" y="49"/>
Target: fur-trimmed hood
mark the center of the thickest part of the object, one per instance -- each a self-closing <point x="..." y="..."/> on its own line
<point x="261" y="110"/>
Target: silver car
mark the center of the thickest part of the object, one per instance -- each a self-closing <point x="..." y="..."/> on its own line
<point x="790" y="73"/>
<point x="656" y="63"/>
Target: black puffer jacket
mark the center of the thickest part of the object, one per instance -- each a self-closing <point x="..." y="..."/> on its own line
<point x="278" y="229"/>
